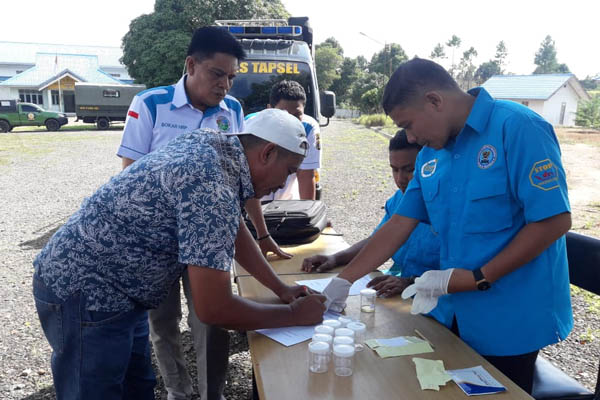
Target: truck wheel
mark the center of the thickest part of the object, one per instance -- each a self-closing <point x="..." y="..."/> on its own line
<point x="4" y="126"/>
<point x="103" y="123"/>
<point x="52" y="125"/>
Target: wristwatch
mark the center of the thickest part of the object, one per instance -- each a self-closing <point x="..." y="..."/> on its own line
<point x="480" y="281"/>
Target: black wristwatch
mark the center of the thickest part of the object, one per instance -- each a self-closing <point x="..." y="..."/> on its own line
<point x="480" y="281"/>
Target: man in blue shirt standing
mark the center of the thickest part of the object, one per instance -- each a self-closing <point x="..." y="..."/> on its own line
<point x="491" y="183"/>
<point x="178" y="207"/>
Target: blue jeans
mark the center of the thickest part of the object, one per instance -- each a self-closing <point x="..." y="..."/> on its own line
<point x="95" y="355"/>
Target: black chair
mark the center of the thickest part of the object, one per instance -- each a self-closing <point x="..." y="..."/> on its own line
<point x="550" y="383"/>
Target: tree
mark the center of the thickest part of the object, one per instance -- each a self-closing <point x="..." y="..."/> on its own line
<point x="545" y="59"/>
<point x="155" y="47"/>
<point x="327" y="62"/>
<point x="365" y="82"/>
<point x="387" y="60"/>
<point x="588" y="113"/>
<point x="454" y="44"/>
<point x="466" y="68"/>
<point x="349" y="73"/>
<point x="590" y="82"/>
<point x="333" y="43"/>
<point x="438" y="52"/>
<point x="501" y="54"/>
<point x="486" y="71"/>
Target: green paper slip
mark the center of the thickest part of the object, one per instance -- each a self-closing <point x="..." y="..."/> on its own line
<point x="431" y="373"/>
<point x="413" y="346"/>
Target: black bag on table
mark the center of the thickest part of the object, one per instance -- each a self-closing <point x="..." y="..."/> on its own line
<point x="293" y="221"/>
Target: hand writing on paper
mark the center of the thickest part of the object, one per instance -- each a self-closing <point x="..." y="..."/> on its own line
<point x="291" y="293"/>
<point x="308" y="310"/>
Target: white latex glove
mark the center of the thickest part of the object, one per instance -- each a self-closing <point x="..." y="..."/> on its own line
<point x="336" y="293"/>
<point x="427" y="289"/>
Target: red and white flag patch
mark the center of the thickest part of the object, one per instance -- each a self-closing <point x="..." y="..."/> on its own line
<point x="133" y="114"/>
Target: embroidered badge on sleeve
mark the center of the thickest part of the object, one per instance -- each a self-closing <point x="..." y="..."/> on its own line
<point x="544" y="175"/>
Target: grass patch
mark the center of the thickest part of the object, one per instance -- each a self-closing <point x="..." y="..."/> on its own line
<point x="578" y="135"/>
<point x="30" y="144"/>
<point x="371" y="120"/>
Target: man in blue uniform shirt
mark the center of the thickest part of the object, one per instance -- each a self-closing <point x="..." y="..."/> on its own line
<point x="178" y="207"/>
<point x="420" y="253"/>
<point x="490" y="181"/>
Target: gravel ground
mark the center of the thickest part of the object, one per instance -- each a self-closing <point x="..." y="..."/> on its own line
<point x="45" y="176"/>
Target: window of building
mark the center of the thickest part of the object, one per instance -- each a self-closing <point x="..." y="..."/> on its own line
<point x="31" y="96"/>
<point x="111" y="93"/>
<point x="116" y="75"/>
<point x="55" y="98"/>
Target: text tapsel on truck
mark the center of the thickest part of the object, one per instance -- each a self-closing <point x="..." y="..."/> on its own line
<point x="277" y="50"/>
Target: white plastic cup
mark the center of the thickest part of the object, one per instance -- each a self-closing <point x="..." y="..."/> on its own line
<point x="359" y="334"/>
<point x="367" y="300"/>
<point x="343" y="355"/>
<point x="323" y="337"/>
<point x="326" y="329"/>
<point x="334" y="323"/>
<point x="343" y="340"/>
<point x="318" y="357"/>
<point x="345" y="320"/>
<point x="344" y="332"/>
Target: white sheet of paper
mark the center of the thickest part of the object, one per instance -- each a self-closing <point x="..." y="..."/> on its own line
<point x="392" y="342"/>
<point x="291" y="335"/>
<point x="320" y="284"/>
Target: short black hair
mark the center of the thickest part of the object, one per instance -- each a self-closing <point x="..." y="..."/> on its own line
<point x="400" y="142"/>
<point x="209" y="40"/>
<point x="412" y="79"/>
<point x="286" y="90"/>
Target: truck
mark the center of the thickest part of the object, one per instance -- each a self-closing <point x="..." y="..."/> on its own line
<point x="103" y="104"/>
<point x="278" y="49"/>
<point x="14" y="113"/>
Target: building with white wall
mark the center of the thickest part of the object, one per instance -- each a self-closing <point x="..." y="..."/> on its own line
<point x="45" y="74"/>
<point x="554" y="96"/>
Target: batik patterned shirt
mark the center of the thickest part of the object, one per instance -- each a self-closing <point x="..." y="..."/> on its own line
<point x="129" y="241"/>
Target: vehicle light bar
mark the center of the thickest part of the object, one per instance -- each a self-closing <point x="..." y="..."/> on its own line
<point x="266" y="31"/>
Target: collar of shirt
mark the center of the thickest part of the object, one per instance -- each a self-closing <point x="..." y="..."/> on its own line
<point x="181" y="99"/>
<point x="482" y="110"/>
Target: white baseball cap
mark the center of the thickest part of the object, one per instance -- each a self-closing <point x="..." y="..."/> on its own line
<point x="278" y="127"/>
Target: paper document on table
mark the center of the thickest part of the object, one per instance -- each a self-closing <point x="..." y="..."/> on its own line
<point x="320" y="284"/>
<point x="291" y="335"/>
<point x="399" y="346"/>
<point x="476" y="381"/>
<point x="431" y="373"/>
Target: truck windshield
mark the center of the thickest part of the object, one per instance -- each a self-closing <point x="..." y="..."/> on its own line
<point x="252" y="85"/>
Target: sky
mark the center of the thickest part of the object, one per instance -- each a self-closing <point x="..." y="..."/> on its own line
<point x="416" y="25"/>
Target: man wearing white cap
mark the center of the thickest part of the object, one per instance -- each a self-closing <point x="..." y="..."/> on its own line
<point x="119" y="254"/>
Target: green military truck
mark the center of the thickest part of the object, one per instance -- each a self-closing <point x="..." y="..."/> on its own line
<point x="14" y="113"/>
<point x="103" y="104"/>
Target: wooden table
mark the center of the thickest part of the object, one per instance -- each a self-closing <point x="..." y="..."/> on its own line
<point x="329" y="242"/>
<point x="282" y="372"/>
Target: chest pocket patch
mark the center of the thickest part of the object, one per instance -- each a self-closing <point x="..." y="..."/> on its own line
<point x="488" y="206"/>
